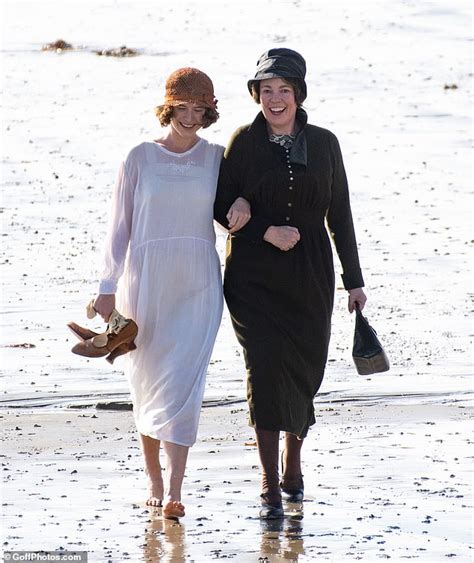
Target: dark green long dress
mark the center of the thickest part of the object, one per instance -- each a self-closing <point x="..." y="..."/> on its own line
<point x="281" y="302"/>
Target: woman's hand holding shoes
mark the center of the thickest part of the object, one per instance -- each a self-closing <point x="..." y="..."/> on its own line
<point x="283" y="237"/>
<point x="104" y="304"/>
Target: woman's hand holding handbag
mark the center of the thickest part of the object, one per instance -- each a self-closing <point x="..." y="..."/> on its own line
<point x="367" y="352"/>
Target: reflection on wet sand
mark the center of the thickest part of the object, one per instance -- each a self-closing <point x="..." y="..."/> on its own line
<point x="164" y="539"/>
<point x="282" y="539"/>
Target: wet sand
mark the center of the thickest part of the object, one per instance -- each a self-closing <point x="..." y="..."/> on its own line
<point x="385" y="479"/>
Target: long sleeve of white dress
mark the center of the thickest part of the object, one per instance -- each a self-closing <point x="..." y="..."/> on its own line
<point x="119" y="229"/>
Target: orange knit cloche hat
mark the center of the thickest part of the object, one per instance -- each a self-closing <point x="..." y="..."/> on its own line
<point x="190" y="85"/>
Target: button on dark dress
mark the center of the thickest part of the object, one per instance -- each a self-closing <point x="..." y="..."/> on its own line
<point x="281" y="302"/>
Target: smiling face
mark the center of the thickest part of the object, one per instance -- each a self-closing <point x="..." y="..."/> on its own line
<point x="187" y="119"/>
<point x="277" y="98"/>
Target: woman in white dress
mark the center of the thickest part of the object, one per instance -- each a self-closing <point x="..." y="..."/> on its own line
<point x="161" y="238"/>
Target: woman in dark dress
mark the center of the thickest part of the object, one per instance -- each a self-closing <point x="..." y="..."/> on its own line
<point x="279" y="276"/>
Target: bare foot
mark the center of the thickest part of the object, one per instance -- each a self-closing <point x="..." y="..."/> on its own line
<point x="173" y="510"/>
<point x="155" y="492"/>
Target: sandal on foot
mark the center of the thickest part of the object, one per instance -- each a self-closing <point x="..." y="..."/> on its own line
<point x="173" y="510"/>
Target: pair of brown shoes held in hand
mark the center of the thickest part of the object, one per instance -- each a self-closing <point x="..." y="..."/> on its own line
<point x="117" y="339"/>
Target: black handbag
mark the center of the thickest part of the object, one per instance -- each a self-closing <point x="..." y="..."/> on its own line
<point x="367" y="352"/>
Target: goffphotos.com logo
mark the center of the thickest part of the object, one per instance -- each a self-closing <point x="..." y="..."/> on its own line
<point x="46" y="556"/>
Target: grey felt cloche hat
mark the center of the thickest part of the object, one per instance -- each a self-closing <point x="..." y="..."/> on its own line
<point x="280" y="63"/>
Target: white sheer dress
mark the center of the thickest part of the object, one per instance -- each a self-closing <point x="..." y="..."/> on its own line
<point x="161" y="244"/>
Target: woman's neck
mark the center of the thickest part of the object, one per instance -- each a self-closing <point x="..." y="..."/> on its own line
<point x="175" y="143"/>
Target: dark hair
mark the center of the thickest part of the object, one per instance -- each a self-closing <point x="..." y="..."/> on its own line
<point x="164" y="113"/>
<point x="295" y="83"/>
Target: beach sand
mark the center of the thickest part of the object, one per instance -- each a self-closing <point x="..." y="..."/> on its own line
<point x="386" y="478"/>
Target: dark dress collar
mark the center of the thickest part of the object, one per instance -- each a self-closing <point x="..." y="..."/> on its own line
<point x="299" y="150"/>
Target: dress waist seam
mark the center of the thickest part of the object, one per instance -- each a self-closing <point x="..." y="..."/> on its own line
<point x="136" y="247"/>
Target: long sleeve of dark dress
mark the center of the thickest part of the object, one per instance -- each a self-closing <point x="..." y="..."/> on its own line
<point x="339" y="220"/>
<point x="232" y="187"/>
